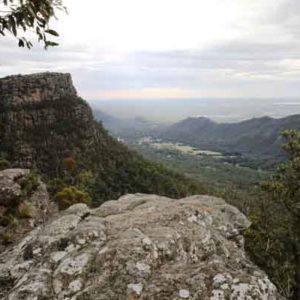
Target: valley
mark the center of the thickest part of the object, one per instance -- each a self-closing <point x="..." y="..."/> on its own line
<point x="152" y="152"/>
<point x="235" y="161"/>
<point x="88" y="157"/>
<point x="209" y="167"/>
<point x="212" y="153"/>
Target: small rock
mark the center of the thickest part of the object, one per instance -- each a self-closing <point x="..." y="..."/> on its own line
<point x="137" y="288"/>
<point x="57" y="256"/>
<point x="75" y="286"/>
<point x="184" y="294"/>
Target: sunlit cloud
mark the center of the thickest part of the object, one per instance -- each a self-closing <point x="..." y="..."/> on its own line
<point x="171" y="49"/>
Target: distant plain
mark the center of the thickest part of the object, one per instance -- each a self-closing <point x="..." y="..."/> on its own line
<point x="219" y="110"/>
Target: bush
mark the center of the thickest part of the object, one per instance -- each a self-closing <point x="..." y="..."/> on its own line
<point x="9" y="220"/>
<point x="4" y="164"/>
<point x="273" y="240"/>
<point x="30" y="183"/>
<point x="25" y="210"/>
<point x="71" y="195"/>
<point x="69" y="163"/>
<point x="6" y="239"/>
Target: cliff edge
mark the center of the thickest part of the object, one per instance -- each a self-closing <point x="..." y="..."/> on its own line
<point x="18" y="90"/>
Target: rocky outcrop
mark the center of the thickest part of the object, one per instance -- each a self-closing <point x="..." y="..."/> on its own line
<point x="17" y="186"/>
<point x="24" y="204"/>
<point x="40" y="117"/>
<point x="20" y="90"/>
<point x="139" y="247"/>
<point x="10" y="186"/>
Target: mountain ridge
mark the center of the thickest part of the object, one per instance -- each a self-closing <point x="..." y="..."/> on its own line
<point x="45" y="125"/>
<point x="259" y="136"/>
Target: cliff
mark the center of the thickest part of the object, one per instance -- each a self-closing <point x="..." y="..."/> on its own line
<point x="44" y="123"/>
<point x="139" y="247"/>
<point x="34" y="108"/>
<point x="23" y="89"/>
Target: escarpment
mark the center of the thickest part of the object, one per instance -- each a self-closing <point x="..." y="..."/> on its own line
<point x="24" y="89"/>
<point x="40" y="115"/>
<point x="46" y="126"/>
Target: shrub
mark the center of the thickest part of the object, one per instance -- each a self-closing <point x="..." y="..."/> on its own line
<point x="25" y="210"/>
<point x="71" y="195"/>
<point x="85" y="179"/>
<point x="4" y="164"/>
<point x="5" y="220"/>
<point x="9" y="220"/>
<point x="69" y="163"/>
<point x="6" y="239"/>
<point x="30" y="183"/>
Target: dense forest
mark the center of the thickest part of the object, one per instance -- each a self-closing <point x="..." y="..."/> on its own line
<point x="72" y="149"/>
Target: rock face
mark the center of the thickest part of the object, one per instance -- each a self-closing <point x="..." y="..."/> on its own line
<point x="139" y="247"/>
<point x="12" y="185"/>
<point x="24" y="203"/>
<point x="23" y="89"/>
<point x="10" y="188"/>
<point x="37" y="113"/>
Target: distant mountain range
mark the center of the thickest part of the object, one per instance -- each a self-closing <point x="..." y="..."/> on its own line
<point x="260" y="136"/>
<point x="127" y="128"/>
<point x="257" y="137"/>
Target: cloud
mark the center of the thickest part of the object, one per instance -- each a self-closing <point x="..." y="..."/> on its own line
<point x="175" y="48"/>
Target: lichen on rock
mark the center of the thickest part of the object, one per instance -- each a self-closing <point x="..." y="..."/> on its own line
<point x="24" y="204"/>
<point x="139" y="247"/>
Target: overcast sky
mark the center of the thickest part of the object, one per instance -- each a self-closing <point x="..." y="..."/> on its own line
<point x="171" y="48"/>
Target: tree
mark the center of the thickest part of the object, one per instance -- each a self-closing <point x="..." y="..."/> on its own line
<point x="29" y="16"/>
<point x="284" y="189"/>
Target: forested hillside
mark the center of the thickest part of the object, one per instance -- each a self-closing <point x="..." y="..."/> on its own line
<point x="46" y="126"/>
<point x="258" y="136"/>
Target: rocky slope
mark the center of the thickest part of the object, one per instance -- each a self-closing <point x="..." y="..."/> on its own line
<point x="139" y="247"/>
<point x="24" y="204"/>
<point x="43" y="124"/>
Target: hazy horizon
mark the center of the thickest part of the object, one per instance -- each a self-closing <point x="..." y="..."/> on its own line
<point x="217" y="109"/>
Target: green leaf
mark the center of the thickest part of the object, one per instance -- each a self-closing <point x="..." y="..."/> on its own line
<point x="52" y="32"/>
<point x="51" y="44"/>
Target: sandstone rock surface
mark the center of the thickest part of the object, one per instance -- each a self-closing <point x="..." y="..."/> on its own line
<point x="139" y="247"/>
<point x="36" y="118"/>
<point x="18" y="90"/>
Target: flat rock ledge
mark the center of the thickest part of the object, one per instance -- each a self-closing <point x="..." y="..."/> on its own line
<point x="139" y="247"/>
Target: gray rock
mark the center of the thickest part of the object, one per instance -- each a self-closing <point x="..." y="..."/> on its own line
<point x="11" y="194"/>
<point x="139" y="247"/>
<point x="10" y="188"/>
<point x="29" y="210"/>
<point x="30" y="109"/>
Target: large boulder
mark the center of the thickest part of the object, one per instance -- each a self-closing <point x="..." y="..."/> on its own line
<point x="139" y="247"/>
